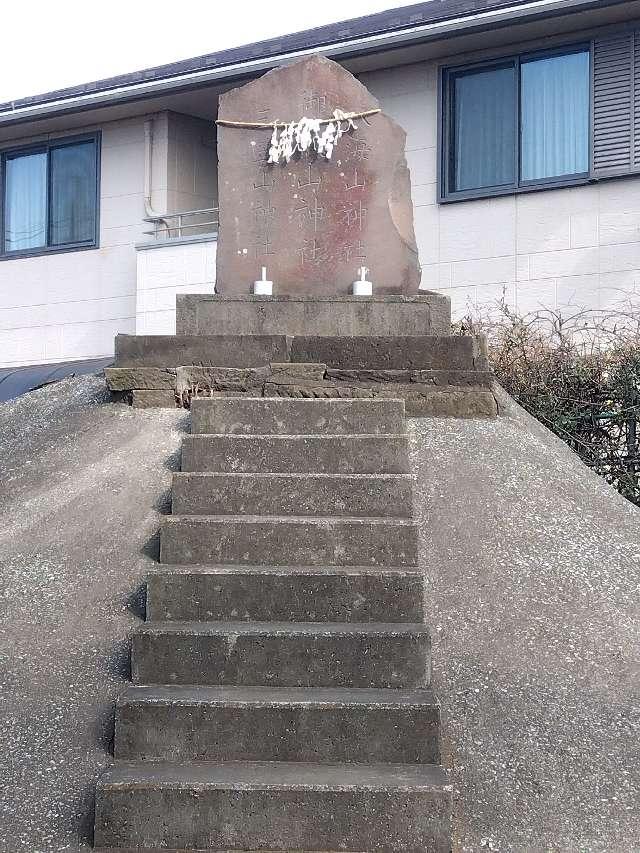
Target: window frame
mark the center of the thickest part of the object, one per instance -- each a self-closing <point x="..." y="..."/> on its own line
<point x="446" y="120"/>
<point x="45" y="147"/>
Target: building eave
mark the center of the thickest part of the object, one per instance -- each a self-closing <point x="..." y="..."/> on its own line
<point x="251" y="60"/>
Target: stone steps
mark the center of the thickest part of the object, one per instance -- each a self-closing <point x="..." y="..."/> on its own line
<point x="212" y="493"/>
<point x="285" y="594"/>
<point x="264" y="416"/>
<point x="282" y="654"/>
<point x="281" y="696"/>
<point x="274" y="805"/>
<point x="277" y="724"/>
<point x="304" y="540"/>
<point x="296" y="454"/>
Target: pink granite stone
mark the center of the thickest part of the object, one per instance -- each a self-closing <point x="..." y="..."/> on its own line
<point x="313" y="222"/>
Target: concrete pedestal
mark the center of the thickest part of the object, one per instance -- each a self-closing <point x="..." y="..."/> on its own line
<point x="427" y="313"/>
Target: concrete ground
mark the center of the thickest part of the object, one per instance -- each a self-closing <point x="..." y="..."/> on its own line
<point x="533" y="581"/>
<point x="533" y="569"/>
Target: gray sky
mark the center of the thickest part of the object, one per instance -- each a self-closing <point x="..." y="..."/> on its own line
<point x="50" y="45"/>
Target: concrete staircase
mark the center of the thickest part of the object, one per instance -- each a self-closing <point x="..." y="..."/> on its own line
<point x="281" y="696"/>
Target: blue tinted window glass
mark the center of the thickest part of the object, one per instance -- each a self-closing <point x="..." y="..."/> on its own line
<point x="484" y="128"/>
<point x="25" y="202"/>
<point x="555" y="116"/>
<point x="73" y="194"/>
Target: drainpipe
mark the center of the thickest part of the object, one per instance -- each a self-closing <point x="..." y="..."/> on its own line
<point x="148" y="169"/>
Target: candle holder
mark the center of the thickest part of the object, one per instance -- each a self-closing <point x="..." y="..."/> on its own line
<point x="263" y="287"/>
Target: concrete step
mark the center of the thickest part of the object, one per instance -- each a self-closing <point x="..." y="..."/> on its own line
<point x="282" y="654"/>
<point x="313" y="454"/>
<point x="277" y="724"/>
<point x="285" y="594"/>
<point x="291" y="417"/>
<point x="275" y="806"/>
<point x="286" y="540"/>
<point x="210" y="493"/>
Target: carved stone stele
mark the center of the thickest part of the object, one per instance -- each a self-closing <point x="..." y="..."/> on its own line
<point x="313" y="222"/>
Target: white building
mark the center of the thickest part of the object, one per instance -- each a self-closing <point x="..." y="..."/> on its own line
<point x="523" y="123"/>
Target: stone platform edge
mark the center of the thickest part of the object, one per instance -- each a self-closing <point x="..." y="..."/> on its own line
<point x="424" y="313"/>
<point x="461" y="393"/>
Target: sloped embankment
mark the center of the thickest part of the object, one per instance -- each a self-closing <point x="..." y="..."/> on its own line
<point x="533" y="568"/>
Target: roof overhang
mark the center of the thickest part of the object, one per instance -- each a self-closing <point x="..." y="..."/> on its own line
<point x="508" y="23"/>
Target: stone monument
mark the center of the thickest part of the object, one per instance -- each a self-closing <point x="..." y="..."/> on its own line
<point x="313" y="220"/>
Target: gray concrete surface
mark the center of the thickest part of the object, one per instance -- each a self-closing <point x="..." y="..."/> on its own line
<point x="426" y="313"/>
<point x="82" y="481"/>
<point x="533" y="569"/>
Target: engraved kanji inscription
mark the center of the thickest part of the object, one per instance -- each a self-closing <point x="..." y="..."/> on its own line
<point x="311" y="177"/>
<point x="265" y="180"/>
<point x="352" y="214"/>
<point x="310" y="212"/>
<point x="312" y="251"/>
<point x="355" y="181"/>
<point x="353" y="252"/>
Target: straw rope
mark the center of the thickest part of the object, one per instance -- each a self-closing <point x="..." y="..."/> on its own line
<point x="272" y="124"/>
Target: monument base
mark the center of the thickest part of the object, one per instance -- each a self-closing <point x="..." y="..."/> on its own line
<point x="427" y="313"/>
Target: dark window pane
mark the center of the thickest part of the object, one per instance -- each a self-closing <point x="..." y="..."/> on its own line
<point x="73" y="194"/>
<point x="484" y="131"/>
<point x="555" y="116"/>
<point x="25" y="202"/>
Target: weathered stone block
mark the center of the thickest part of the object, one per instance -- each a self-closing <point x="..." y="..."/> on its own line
<point x="285" y="594"/>
<point x="373" y="376"/>
<point x="288" y="373"/>
<point x="426" y="352"/>
<point x="291" y="417"/>
<point x="220" y="378"/>
<point x="315" y="454"/>
<point x="208" y="350"/>
<point x="277" y="724"/>
<point x="199" y="493"/>
<point x="297" y="654"/>
<point x="128" y="378"/>
<point x="154" y="399"/>
<point x="459" y="378"/>
<point x="426" y="313"/>
<point x="317" y="390"/>
<point x="273" y="806"/>
<point x="423" y="401"/>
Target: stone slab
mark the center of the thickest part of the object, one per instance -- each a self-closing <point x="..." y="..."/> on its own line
<point x="277" y="724"/>
<point x="142" y="399"/>
<point x="362" y="495"/>
<point x="207" y="350"/>
<point x="428" y="352"/>
<point x="313" y="222"/>
<point x="275" y="806"/>
<point x="281" y="540"/>
<point x="296" y="454"/>
<point x="278" y="654"/>
<point x="285" y="593"/>
<point x="288" y="372"/>
<point x="197" y="378"/>
<point x="426" y="313"/>
<point x="128" y="378"/>
<point x="290" y="417"/>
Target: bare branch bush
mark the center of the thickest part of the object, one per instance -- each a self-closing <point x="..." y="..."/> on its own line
<point x="578" y="372"/>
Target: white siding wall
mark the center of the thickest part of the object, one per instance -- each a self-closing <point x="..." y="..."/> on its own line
<point x="561" y="249"/>
<point x="164" y="271"/>
<point x="71" y="305"/>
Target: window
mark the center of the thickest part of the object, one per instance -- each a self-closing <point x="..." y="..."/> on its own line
<point x="49" y="197"/>
<point x="516" y="123"/>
